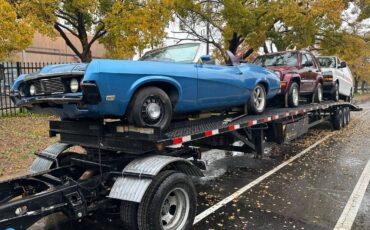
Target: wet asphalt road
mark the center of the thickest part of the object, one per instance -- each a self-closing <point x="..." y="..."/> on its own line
<point x="309" y="193"/>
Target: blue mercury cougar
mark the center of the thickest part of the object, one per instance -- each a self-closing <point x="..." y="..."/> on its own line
<point x="147" y="93"/>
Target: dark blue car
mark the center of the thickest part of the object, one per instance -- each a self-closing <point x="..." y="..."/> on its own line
<point x="172" y="80"/>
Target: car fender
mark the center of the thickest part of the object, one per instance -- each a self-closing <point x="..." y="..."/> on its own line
<point x="154" y="79"/>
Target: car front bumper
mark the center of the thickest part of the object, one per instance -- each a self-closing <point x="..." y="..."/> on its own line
<point x="69" y="105"/>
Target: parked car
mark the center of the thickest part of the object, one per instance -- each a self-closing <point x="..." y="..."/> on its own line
<point x="174" y="79"/>
<point x="299" y="73"/>
<point x="338" y="81"/>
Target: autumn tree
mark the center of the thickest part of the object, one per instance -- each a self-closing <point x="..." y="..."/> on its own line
<point x="15" y="34"/>
<point x="123" y="26"/>
<point x="136" y="25"/>
<point x="251" y="23"/>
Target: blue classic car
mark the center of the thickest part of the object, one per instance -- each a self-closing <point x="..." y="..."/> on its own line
<point x="172" y="80"/>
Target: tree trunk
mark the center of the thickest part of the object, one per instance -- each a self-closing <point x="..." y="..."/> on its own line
<point x="363" y="83"/>
<point x="265" y="49"/>
<point x="234" y="43"/>
<point x="248" y="53"/>
<point x="357" y="79"/>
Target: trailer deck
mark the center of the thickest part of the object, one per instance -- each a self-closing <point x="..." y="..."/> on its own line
<point x="125" y="167"/>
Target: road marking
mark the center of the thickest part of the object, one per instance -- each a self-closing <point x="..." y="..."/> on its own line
<point x="349" y="213"/>
<point x="242" y="190"/>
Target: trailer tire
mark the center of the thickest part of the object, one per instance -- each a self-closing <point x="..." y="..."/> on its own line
<point x="346" y="112"/>
<point x="128" y="214"/>
<point x="337" y="119"/>
<point x="156" y="203"/>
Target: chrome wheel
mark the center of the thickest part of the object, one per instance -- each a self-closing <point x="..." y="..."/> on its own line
<point x="152" y="110"/>
<point x="319" y="93"/>
<point x="175" y="209"/>
<point x="259" y="98"/>
<point x="295" y="95"/>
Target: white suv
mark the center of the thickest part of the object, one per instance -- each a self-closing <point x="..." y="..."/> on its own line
<point x="337" y="78"/>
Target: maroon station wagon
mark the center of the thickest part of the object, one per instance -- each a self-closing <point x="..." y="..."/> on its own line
<point x="299" y="72"/>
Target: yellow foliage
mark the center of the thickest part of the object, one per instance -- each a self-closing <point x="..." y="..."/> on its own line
<point x="15" y="34"/>
<point x="136" y="25"/>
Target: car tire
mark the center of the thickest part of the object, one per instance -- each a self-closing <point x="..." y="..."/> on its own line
<point x="257" y="101"/>
<point x="318" y="94"/>
<point x="335" y="95"/>
<point x="293" y="95"/>
<point x="150" y="107"/>
<point x="349" y="98"/>
<point x="157" y="210"/>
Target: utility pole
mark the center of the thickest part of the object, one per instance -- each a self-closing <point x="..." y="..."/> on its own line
<point x="207" y="28"/>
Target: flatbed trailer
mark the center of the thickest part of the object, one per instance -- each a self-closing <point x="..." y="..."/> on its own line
<point x="144" y="174"/>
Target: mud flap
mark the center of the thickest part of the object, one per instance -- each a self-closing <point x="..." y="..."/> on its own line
<point x="46" y="158"/>
<point x="137" y="175"/>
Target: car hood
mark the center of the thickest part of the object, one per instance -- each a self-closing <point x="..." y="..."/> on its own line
<point x="57" y="70"/>
<point x="283" y="69"/>
<point x="326" y="69"/>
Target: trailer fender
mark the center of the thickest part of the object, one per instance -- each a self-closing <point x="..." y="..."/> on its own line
<point x="46" y="158"/>
<point x="138" y="174"/>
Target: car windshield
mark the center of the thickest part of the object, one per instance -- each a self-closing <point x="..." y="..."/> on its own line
<point x="184" y="53"/>
<point x="289" y="59"/>
<point x="327" y="62"/>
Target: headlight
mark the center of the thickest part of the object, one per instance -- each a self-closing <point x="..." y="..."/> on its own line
<point x="277" y="73"/>
<point x="32" y="90"/>
<point x="74" y="85"/>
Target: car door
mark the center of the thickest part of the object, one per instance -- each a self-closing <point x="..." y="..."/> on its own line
<point x="309" y="72"/>
<point x="218" y="86"/>
<point x="345" y="81"/>
<point x="304" y="73"/>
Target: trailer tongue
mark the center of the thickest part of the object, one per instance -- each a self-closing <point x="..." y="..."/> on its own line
<point x="129" y="170"/>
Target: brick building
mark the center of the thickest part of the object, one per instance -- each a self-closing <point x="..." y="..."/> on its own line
<point x="45" y="49"/>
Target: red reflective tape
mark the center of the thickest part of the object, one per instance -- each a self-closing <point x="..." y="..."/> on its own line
<point x="232" y="128"/>
<point x="177" y="140"/>
<point x="267" y="119"/>
<point x="250" y="123"/>
<point x="208" y="133"/>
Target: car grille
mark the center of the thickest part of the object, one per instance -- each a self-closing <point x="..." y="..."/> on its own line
<point x="49" y="86"/>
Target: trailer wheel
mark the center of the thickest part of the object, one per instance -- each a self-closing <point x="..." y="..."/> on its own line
<point x="337" y="119"/>
<point x="128" y="214"/>
<point x="346" y="112"/>
<point x="169" y="203"/>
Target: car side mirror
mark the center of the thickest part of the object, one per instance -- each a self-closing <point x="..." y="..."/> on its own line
<point x="343" y="64"/>
<point x="308" y="64"/>
<point x="205" y="58"/>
